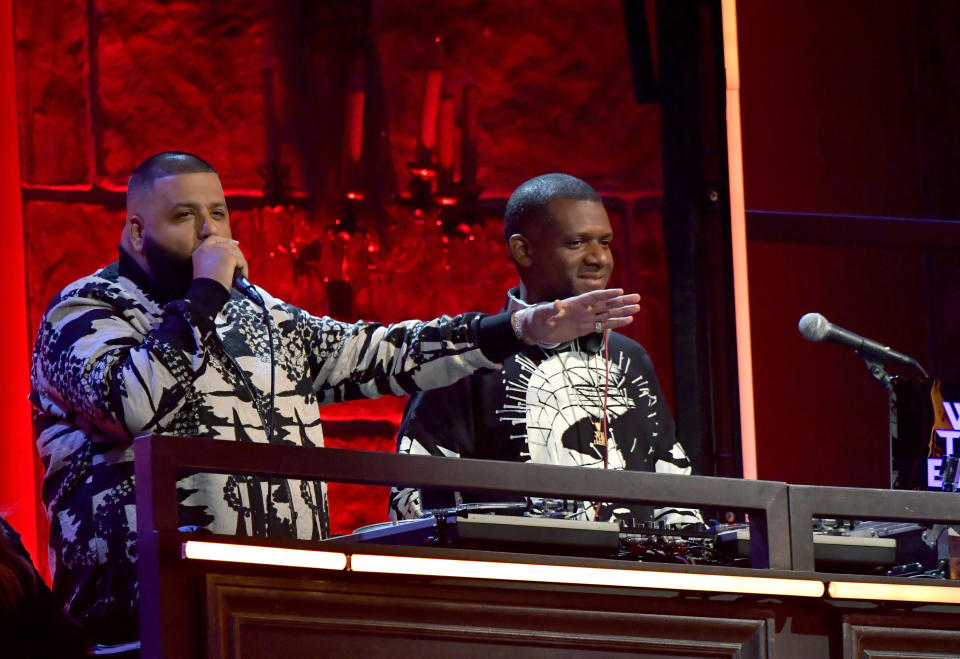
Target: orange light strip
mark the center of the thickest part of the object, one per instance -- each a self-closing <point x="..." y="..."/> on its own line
<point x="216" y="551"/>
<point x="441" y="567"/>
<point x="568" y="574"/>
<point x="946" y="594"/>
<point x="738" y="240"/>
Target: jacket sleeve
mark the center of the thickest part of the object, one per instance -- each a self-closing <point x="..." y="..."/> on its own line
<point x="670" y="456"/>
<point x="96" y="358"/>
<point x="368" y="360"/>
<point x="438" y="422"/>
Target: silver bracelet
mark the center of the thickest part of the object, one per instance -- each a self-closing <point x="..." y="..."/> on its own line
<point x="516" y="321"/>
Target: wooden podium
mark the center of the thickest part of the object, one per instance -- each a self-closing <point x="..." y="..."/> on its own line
<point x="204" y="595"/>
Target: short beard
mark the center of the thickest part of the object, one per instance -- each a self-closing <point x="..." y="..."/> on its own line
<point x="170" y="273"/>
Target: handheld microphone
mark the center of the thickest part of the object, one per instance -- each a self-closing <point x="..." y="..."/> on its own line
<point x="243" y="285"/>
<point x="814" y="327"/>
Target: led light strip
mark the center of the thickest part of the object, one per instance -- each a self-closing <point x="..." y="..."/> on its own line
<point x="948" y="594"/>
<point x="441" y="567"/>
<point x="215" y="551"/>
<point x="738" y="239"/>
<point x="568" y="574"/>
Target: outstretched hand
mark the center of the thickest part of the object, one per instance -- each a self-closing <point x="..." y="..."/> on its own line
<point x="565" y="320"/>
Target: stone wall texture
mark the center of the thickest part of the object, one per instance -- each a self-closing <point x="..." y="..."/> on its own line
<point x="104" y="83"/>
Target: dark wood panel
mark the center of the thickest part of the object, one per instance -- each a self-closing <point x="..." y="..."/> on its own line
<point x="874" y="641"/>
<point x="260" y="616"/>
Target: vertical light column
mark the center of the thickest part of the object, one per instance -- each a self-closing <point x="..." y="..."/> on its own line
<point x="18" y="492"/>
<point x="738" y="234"/>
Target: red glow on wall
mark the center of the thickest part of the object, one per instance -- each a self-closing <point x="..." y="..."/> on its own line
<point x="18" y="490"/>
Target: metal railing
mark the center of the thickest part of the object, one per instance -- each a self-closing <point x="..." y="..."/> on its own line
<point x="159" y="459"/>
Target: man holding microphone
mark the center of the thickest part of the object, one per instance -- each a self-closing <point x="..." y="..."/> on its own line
<point x="161" y="342"/>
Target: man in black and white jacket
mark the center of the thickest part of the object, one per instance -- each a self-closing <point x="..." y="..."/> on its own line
<point x="160" y="342"/>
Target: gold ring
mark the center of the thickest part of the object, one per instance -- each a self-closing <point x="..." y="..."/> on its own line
<point x="598" y="326"/>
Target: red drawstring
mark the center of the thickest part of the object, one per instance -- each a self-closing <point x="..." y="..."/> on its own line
<point x="606" y="392"/>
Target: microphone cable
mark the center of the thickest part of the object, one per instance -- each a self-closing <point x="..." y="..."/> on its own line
<point x="272" y="421"/>
<point x="606" y="394"/>
<point x="240" y="283"/>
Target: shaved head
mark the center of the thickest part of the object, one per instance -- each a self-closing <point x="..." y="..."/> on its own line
<point x="162" y="165"/>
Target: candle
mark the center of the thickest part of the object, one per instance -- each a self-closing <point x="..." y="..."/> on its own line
<point x="354" y="128"/>
<point x="445" y="138"/>
<point x="271" y="141"/>
<point x="431" y="103"/>
<point x="468" y="151"/>
<point x="353" y="132"/>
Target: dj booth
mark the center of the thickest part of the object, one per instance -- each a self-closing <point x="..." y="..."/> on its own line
<point x="468" y="583"/>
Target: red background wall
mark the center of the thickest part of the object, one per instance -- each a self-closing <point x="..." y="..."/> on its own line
<point x="849" y="117"/>
<point x="103" y="84"/>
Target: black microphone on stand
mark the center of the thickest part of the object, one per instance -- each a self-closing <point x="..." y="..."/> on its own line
<point x="814" y="327"/>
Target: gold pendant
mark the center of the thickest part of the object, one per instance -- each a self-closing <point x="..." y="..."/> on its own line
<point x="598" y="437"/>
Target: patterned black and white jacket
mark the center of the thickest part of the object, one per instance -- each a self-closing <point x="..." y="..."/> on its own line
<point x="116" y="359"/>
<point x="545" y="406"/>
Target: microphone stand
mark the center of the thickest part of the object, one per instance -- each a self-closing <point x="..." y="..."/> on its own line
<point x="879" y="373"/>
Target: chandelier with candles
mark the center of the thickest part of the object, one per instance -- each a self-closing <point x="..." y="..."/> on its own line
<point x="431" y="188"/>
<point x="377" y="244"/>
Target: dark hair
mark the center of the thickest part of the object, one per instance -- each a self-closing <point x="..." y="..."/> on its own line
<point x="33" y="623"/>
<point x="161" y="165"/>
<point x="17" y="577"/>
<point x="528" y="205"/>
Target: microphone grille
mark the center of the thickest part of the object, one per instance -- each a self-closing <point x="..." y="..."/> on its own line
<point x="814" y="327"/>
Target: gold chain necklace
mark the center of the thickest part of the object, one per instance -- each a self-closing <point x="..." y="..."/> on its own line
<point x="596" y="420"/>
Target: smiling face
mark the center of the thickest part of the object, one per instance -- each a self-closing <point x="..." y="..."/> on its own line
<point x="569" y="253"/>
<point x="170" y="220"/>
